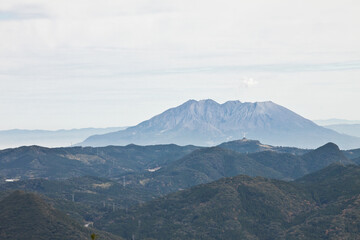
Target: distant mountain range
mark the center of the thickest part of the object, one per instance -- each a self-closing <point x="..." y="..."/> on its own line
<point x="208" y="123"/>
<point x="349" y="129"/>
<point x="335" y="121"/>
<point x="59" y="138"/>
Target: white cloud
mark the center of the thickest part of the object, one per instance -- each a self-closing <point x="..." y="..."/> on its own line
<point x="249" y="82"/>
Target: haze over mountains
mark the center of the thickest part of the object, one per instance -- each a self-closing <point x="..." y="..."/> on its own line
<point x="207" y="123"/>
<point x="59" y="138"/>
<point x="335" y="121"/>
<point x="349" y="129"/>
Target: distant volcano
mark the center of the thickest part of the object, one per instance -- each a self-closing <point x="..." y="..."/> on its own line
<point x="207" y="123"/>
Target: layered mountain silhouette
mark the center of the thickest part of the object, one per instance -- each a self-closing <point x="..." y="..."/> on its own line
<point x="151" y="171"/>
<point x="116" y="161"/>
<point x="208" y="123"/>
<point x="323" y="205"/>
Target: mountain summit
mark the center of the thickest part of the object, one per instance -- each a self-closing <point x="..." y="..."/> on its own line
<point x="207" y="122"/>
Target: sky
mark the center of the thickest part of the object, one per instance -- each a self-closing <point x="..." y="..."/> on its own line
<point x="73" y="64"/>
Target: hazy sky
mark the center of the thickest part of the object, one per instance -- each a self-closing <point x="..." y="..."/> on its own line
<point x="92" y="63"/>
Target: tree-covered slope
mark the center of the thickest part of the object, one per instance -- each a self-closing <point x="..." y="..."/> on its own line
<point x="324" y="205"/>
<point x="27" y="216"/>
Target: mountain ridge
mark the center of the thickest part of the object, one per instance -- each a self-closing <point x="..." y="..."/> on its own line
<point x="110" y="161"/>
<point x="210" y="164"/>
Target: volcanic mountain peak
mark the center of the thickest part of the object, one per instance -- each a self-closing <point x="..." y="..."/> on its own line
<point x="207" y="122"/>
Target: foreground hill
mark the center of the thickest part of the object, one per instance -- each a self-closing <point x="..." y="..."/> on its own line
<point x="207" y="123"/>
<point x="27" y="216"/>
<point x="84" y="198"/>
<point x="324" y="205"/>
